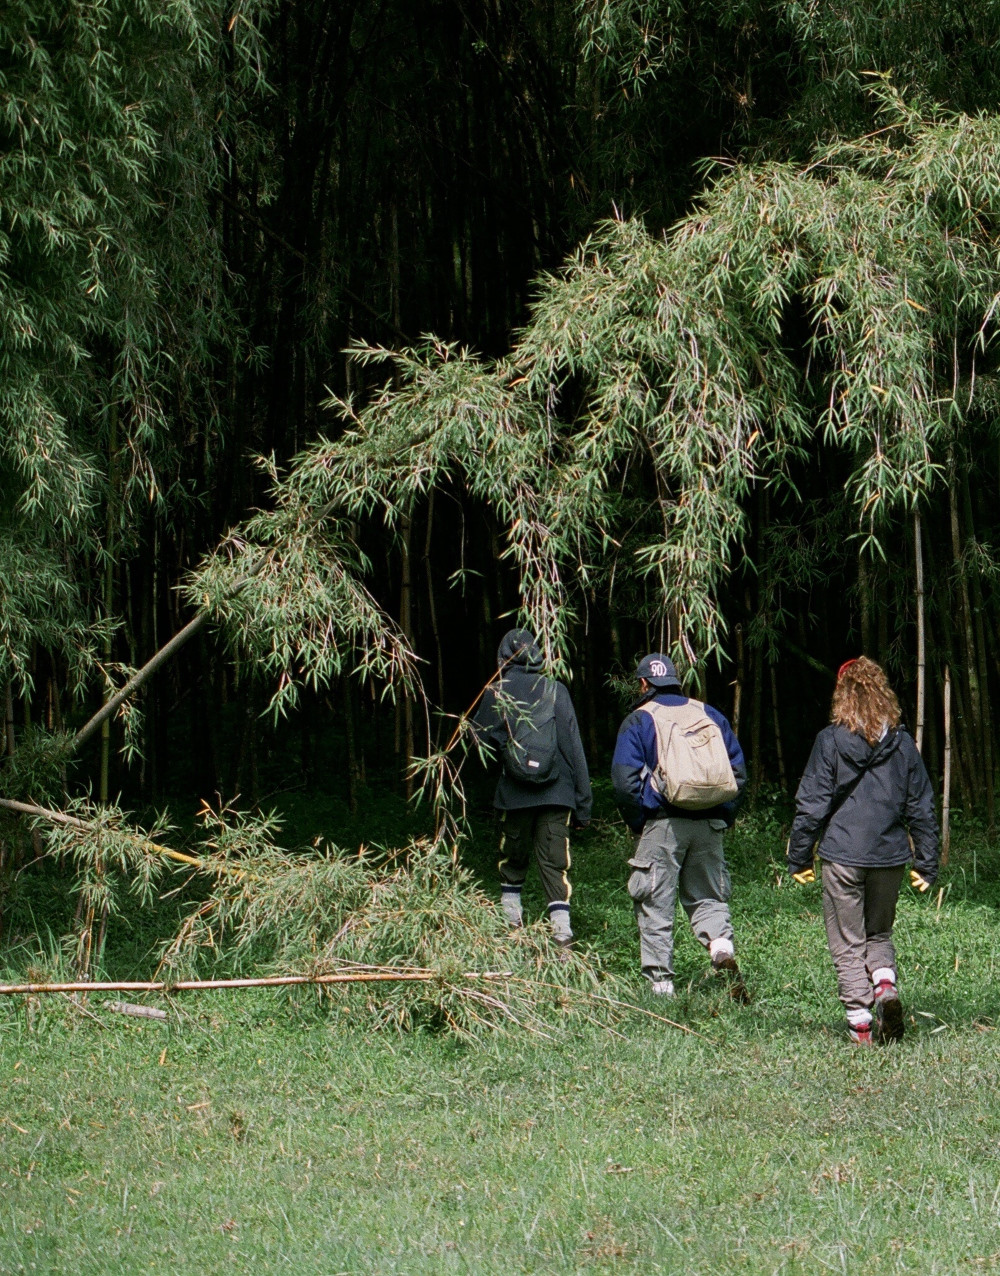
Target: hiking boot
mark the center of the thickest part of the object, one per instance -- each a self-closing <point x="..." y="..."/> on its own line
<point x="888" y="1012"/>
<point x="724" y="964"/>
<point x="662" y="987"/>
<point x="861" y="1035"/>
<point x="563" y="947"/>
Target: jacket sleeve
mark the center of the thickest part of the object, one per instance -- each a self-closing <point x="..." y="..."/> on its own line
<point x="629" y="768"/>
<point x="736" y="761"/>
<point x="920" y="817"/>
<point x="572" y="746"/>
<point x="812" y="803"/>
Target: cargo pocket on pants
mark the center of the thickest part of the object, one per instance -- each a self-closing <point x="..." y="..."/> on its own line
<point x="640" y="883"/>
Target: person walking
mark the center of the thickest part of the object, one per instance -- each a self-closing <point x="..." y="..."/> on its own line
<point x="865" y="805"/>
<point x="544" y="788"/>
<point x="678" y="773"/>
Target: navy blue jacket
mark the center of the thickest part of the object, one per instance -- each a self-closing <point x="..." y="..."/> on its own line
<point x="635" y="761"/>
<point x="875" y="815"/>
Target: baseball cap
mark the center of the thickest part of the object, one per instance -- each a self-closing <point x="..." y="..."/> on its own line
<point x="658" y="670"/>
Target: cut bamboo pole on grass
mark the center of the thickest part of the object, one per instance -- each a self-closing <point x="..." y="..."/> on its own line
<point x="270" y="981"/>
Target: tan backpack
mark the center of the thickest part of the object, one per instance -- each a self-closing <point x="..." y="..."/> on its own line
<point x="693" y="770"/>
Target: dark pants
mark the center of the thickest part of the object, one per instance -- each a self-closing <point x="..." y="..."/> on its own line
<point x="859" y="908"/>
<point x="542" y="831"/>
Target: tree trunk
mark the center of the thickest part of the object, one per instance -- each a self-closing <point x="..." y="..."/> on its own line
<point x="970" y="748"/>
<point x="918" y="558"/>
<point x="406" y="625"/>
<point x="740" y="679"/>
<point x="946" y="784"/>
<point x="350" y="736"/>
<point x="986" y="724"/>
<point x="778" y="746"/>
<point x="431" y="603"/>
<point x="864" y="603"/>
<point x="9" y="741"/>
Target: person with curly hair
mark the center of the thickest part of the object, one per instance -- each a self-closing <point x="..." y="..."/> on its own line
<point x="865" y="805"/>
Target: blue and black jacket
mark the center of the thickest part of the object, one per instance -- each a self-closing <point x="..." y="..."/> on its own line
<point x="635" y="760"/>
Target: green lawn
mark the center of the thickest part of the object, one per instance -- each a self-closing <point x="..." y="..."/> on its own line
<point x="246" y="1135"/>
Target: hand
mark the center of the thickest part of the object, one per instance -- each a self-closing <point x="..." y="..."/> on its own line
<point x="577" y="825"/>
<point x="805" y="876"/>
<point x="919" y="883"/>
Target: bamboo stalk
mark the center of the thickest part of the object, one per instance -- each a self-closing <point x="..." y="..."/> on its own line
<point x="778" y="746"/>
<point x="270" y="981"/>
<point x="946" y="795"/>
<point x="10" y="744"/>
<point x="741" y="673"/>
<point x="918" y="554"/>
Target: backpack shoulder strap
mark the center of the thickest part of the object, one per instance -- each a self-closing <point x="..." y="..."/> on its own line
<point x="690" y="712"/>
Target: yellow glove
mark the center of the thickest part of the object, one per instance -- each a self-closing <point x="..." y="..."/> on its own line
<point x="806" y="876"/>
<point x="918" y="883"/>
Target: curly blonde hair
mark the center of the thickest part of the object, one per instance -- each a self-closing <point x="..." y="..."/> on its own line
<point x="863" y="701"/>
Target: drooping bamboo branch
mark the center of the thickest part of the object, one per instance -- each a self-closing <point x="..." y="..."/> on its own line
<point x="57" y="817"/>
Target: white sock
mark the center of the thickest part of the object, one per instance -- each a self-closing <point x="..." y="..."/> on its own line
<point x="721" y="948"/>
<point x="859" y="1018"/>
<point x="884" y="975"/>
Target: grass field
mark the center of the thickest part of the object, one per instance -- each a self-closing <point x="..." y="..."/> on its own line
<point x="251" y="1135"/>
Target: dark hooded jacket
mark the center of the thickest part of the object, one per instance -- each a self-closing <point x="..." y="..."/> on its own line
<point x="874" y="816"/>
<point x="522" y="681"/>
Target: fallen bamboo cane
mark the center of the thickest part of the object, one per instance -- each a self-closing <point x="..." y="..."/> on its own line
<point x="272" y="981"/>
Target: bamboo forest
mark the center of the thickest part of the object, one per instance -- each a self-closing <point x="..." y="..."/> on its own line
<point x="340" y="338"/>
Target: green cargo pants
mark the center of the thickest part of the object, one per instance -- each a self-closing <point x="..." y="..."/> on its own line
<point x="542" y="832"/>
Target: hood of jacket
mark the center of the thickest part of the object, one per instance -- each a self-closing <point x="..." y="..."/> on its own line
<point x="519" y="649"/>
<point x="855" y="748"/>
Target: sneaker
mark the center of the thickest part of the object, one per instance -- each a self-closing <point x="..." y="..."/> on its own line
<point x="888" y="1012"/>
<point x="662" y="987"/>
<point x="861" y="1035"/>
<point x="724" y="964"/>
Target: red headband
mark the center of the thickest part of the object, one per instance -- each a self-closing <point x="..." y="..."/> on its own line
<point x="846" y="665"/>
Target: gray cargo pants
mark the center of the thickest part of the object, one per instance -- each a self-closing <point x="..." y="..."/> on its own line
<point x="678" y="857"/>
<point x="859" y="908"/>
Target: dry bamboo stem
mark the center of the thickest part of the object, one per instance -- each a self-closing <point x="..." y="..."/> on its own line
<point x="271" y="981"/>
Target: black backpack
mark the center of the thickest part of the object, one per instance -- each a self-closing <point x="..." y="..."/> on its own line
<point x="529" y="752"/>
